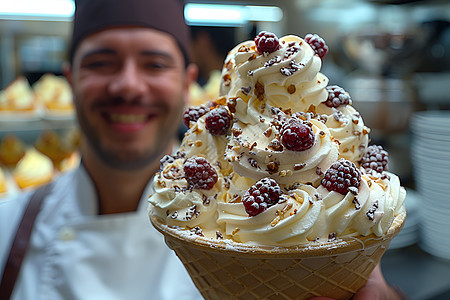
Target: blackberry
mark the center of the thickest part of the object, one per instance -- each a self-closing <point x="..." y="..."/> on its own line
<point x="296" y="136"/>
<point x="266" y="42"/>
<point x="317" y="44"/>
<point x="337" y="96"/>
<point x="260" y="196"/>
<point x="375" y="159"/>
<point x="342" y="176"/>
<point x="199" y="173"/>
<point x="218" y="121"/>
<point x="194" y="113"/>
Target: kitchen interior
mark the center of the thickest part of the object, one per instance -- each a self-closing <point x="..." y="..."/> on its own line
<point x="393" y="57"/>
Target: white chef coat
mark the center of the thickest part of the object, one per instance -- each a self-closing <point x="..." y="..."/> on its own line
<point x="76" y="254"/>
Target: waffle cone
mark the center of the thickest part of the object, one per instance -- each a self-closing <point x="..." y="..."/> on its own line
<point x="228" y="270"/>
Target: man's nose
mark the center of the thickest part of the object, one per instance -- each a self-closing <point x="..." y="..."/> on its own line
<point x="129" y="82"/>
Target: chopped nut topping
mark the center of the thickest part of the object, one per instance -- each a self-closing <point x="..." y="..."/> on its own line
<point x="275" y="145"/>
<point x="319" y="171"/>
<point x="272" y="167"/>
<point x="236" y="131"/>
<point x="246" y="90"/>
<point x="371" y="212"/>
<point x="299" y="166"/>
<point x="291" y="89"/>
<point x="243" y="48"/>
<point x="226" y="79"/>
<point x="294" y="67"/>
<point x="221" y="101"/>
<point x="231" y="103"/>
<point x="206" y="200"/>
<point x="275" y="221"/>
<point x="268" y="132"/>
<point x="332" y="237"/>
<point x="356" y="203"/>
<point x="253" y="162"/>
<point x="229" y="65"/>
<point x="174" y="215"/>
<point x="197" y="230"/>
<point x="252" y="57"/>
<point x="280" y="214"/>
<point x="236" y="199"/>
<point x="272" y="61"/>
<point x="353" y="190"/>
<point x="288" y="111"/>
<point x="312" y="109"/>
<point x="284" y="173"/>
<point x="259" y="91"/>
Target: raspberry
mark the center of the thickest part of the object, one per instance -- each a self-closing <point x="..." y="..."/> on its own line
<point x="317" y="44"/>
<point x="266" y="42"/>
<point x="296" y="136"/>
<point x="342" y="176"/>
<point x="199" y="173"/>
<point x="337" y="96"/>
<point x="375" y="159"/>
<point x="260" y="196"/>
<point x="218" y="121"/>
<point x="194" y="113"/>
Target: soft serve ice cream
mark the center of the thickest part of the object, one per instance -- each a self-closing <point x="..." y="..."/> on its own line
<point x="280" y="159"/>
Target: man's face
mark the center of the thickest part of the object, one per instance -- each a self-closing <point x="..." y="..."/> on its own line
<point x="130" y="86"/>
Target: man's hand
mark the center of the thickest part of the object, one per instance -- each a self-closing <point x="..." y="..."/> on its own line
<point x="375" y="288"/>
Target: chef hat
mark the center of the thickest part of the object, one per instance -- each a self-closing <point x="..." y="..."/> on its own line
<point x="92" y="16"/>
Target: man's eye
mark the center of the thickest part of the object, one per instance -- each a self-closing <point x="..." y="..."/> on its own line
<point x="156" y="66"/>
<point x="98" y="64"/>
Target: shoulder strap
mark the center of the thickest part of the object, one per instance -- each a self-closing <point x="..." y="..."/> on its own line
<point x="21" y="240"/>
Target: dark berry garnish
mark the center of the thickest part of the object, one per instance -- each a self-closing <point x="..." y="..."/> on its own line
<point x="375" y="159"/>
<point x="218" y="121"/>
<point x="199" y="173"/>
<point x="337" y="96"/>
<point x="342" y="176"/>
<point x="296" y="136"/>
<point x="317" y="44"/>
<point x="194" y="113"/>
<point x="260" y="196"/>
<point x="266" y="42"/>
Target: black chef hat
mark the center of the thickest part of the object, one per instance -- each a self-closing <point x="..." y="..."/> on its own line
<point x="92" y="16"/>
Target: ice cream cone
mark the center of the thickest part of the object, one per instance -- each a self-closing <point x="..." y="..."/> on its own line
<point x="229" y="270"/>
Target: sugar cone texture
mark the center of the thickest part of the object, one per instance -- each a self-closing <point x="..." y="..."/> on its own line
<point x="224" y="270"/>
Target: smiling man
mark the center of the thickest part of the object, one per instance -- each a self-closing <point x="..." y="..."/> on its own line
<point x="130" y="87"/>
<point x="92" y="239"/>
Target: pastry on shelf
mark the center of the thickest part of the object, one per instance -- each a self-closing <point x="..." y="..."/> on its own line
<point x="55" y="95"/>
<point x="12" y="149"/>
<point x="18" y="97"/>
<point x="3" y="183"/>
<point x="69" y="163"/>
<point x="199" y="95"/>
<point x="33" y="170"/>
<point x="54" y="147"/>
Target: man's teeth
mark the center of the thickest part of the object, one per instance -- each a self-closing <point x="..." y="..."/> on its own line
<point x="121" y="118"/>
